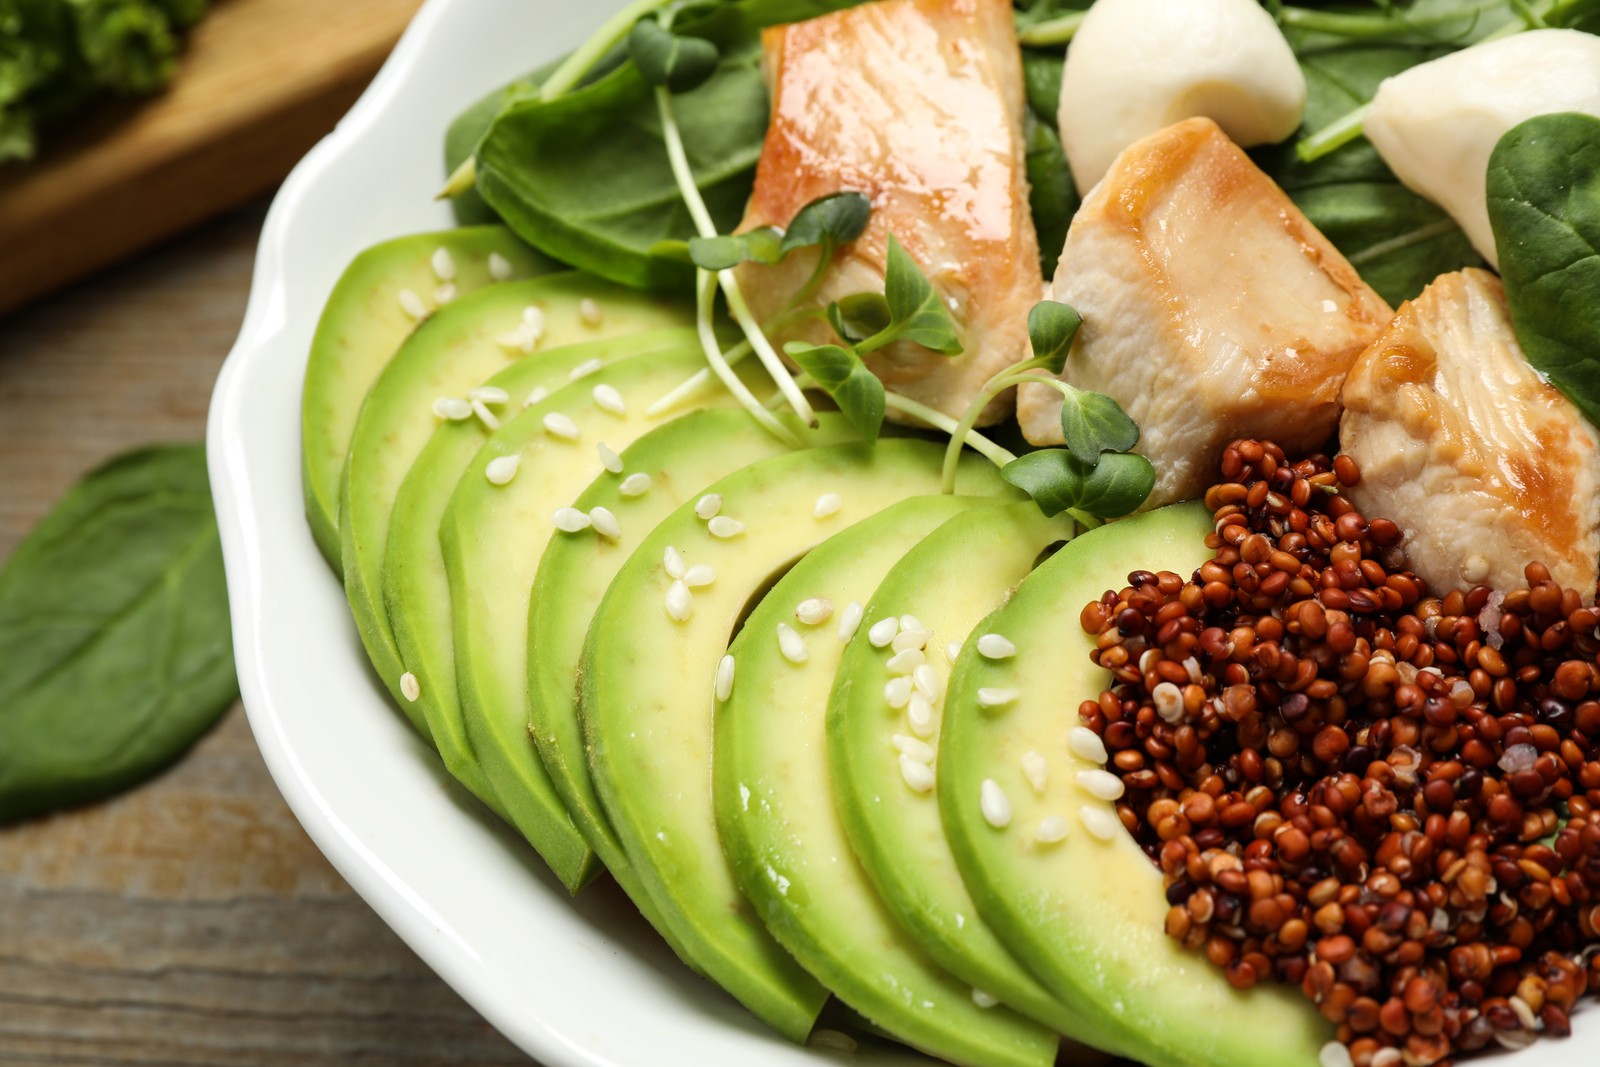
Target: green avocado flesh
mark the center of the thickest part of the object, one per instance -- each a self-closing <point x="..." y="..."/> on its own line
<point x="455" y="350"/>
<point x="781" y="831"/>
<point x="894" y="830"/>
<point x="361" y="326"/>
<point x="493" y="537"/>
<point x="416" y="592"/>
<point x="1087" y="915"/>
<point x="681" y="458"/>
<point x="646" y="696"/>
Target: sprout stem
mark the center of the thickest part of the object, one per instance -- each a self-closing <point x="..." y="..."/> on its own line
<point x="969" y="419"/>
<point x="586" y="55"/>
<point x="462" y="179"/>
<point x="1056" y="31"/>
<point x="705" y="294"/>
<point x="692" y="385"/>
<point x="1332" y="137"/>
<point x="940" y="421"/>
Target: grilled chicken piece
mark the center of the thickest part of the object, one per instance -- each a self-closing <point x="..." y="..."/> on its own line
<point x="919" y="105"/>
<point x="1211" y="308"/>
<point x="1461" y="442"/>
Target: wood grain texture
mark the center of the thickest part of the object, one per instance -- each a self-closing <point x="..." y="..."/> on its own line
<point x="260" y="82"/>
<point x="190" y="921"/>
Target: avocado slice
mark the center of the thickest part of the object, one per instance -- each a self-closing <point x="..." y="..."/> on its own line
<point x="894" y="829"/>
<point x="1087" y="915"/>
<point x="492" y="538"/>
<point x="645" y="693"/>
<point x="779" y="825"/>
<point x="416" y="591"/>
<point x="681" y="457"/>
<point x="362" y="325"/>
<point x="455" y="350"/>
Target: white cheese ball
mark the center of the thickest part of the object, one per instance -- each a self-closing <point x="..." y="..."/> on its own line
<point x="1137" y="66"/>
<point x="1436" y="124"/>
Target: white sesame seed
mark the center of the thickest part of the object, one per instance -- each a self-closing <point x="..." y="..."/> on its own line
<point x="452" y="408"/>
<point x="994" y="804"/>
<point x="916" y="748"/>
<point x="982" y="999"/>
<point x="584" y="369"/>
<point x="605" y="523"/>
<point x="522" y="339"/>
<point x="994" y="646"/>
<point x="499" y="267"/>
<point x="412" y="304"/>
<point x="608" y="457"/>
<point x="708" y="506"/>
<point x="489" y="394"/>
<point x="570" y="520"/>
<point x="897" y="692"/>
<point x="907" y="661"/>
<point x="485" y="416"/>
<point x="928" y="682"/>
<point x="699" y="575"/>
<point x="837" y="1040"/>
<point x="636" y="484"/>
<point x="1192" y="665"/>
<point x="608" y="399"/>
<point x="883" y="631"/>
<point x="502" y="469"/>
<point x="1334" y="1054"/>
<point x="1168" y="700"/>
<point x="1086" y="744"/>
<point x="559" y="425"/>
<point x="680" y="602"/>
<point x="919" y="715"/>
<point x="538" y="396"/>
<point x="672" y="560"/>
<point x="410" y="688"/>
<point x="1102" y="785"/>
<point x="814" y="611"/>
<point x="1099" y="822"/>
<point x="908" y="638"/>
<point x="911" y="622"/>
<point x="722" y="526"/>
<point x="828" y="504"/>
<point x="1036" y="770"/>
<point x="533" y="318"/>
<point x="444" y="294"/>
<point x="995" y="697"/>
<point x="1525" y="1014"/>
<point x="850" y="620"/>
<point x="917" y="775"/>
<point x="724" y="687"/>
<point x="590" y="312"/>
<point x="1052" y="830"/>
<point x="444" y="265"/>
<point x="791" y="644"/>
<point x="952" y="651"/>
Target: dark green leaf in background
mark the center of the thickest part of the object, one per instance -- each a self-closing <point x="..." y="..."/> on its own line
<point x="114" y="634"/>
<point x="844" y="377"/>
<point x="1052" y="196"/>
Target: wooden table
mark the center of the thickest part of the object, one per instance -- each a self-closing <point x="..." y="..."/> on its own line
<point x="190" y="921"/>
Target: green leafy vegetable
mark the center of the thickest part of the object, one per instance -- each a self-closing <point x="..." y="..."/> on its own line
<point x="1118" y="485"/>
<point x="1544" y="206"/>
<point x="1052" y="196"/>
<point x="859" y="316"/>
<point x="1094" y="423"/>
<point x="916" y="313"/>
<point x="114" y="631"/>
<point x="828" y="222"/>
<point x="665" y="58"/>
<point x="1051" y="327"/>
<point x="729" y="250"/>
<point x="1057" y="481"/>
<point x="844" y="377"/>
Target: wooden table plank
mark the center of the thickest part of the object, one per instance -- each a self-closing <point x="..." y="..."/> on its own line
<point x="190" y="921"/>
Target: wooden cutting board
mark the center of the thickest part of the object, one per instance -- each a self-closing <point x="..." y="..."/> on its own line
<point x="260" y="82"/>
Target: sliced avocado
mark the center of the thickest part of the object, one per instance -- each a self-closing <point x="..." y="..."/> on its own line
<point x="416" y="591"/>
<point x="779" y="825"/>
<point x="1087" y="915"/>
<point x="450" y="354"/>
<point x="361" y="326"/>
<point x="893" y="828"/>
<point x="681" y="458"/>
<point x="646" y="694"/>
<point x="492" y="538"/>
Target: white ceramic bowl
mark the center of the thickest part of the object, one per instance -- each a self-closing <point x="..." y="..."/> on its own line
<point x="573" y="982"/>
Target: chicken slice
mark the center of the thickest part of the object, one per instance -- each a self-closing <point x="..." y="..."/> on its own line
<point x="919" y="105"/>
<point x="1211" y="308"/>
<point x="1485" y="465"/>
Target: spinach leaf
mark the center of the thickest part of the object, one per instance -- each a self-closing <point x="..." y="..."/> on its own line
<point x="844" y="377"/>
<point x="1051" y="193"/>
<point x="114" y="632"/>
<point x="1544" y="206"/>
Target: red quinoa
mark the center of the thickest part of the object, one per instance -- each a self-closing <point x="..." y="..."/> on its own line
<point x="1352" y="784"/>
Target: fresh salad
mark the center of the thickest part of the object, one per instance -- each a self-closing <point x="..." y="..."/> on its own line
<point x="1072" y="529"/>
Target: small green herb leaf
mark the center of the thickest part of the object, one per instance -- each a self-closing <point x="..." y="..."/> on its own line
<point x="828" y="222"/>
<point x="1094" y="423"/>
<point x="664" y="58"/>
<point x="842" y="374"/>
<point x="1051" y="328"/>
<point x="915" y="310"/>
<point x="114" y="632"/>
<point x="674" y="250"/>
<point x="764" y="244"/>
<point x="1050" y="476"/>
<point x="1544" y="206"/>
<point x="716" y="253"/>
<point x="1056" y="481"/>
<point x="1117" y="485"/>
<point x="859" y="316"/>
